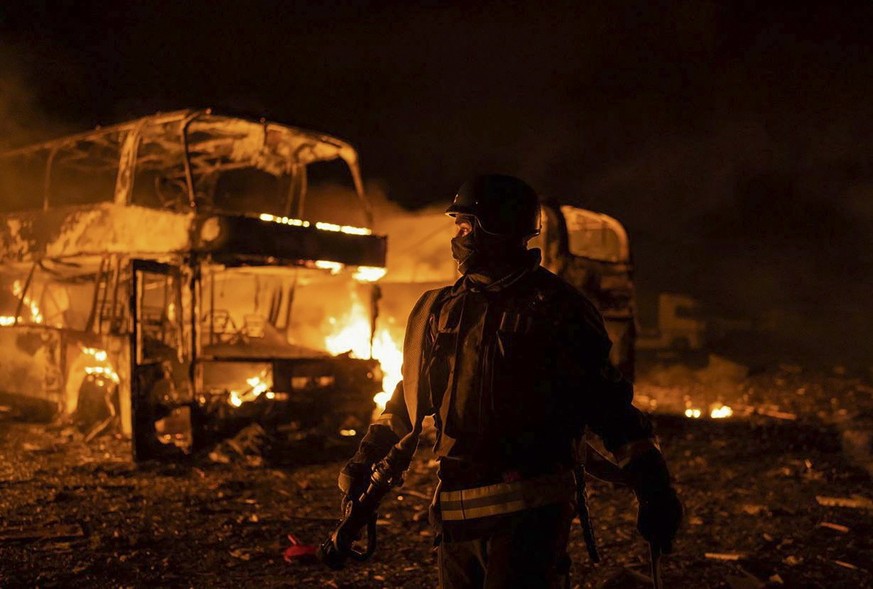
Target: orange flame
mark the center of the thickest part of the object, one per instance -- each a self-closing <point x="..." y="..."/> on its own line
<point x="351" y="333"/>
<point x="30" y="304"/>
<point x="257" y="386"/>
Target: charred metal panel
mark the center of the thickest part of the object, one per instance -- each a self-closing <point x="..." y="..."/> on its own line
<point x="305" y="394"/>
<point x="31" y="364"/>
<point x="65" y="232"/>
<point x="245" y="237"/>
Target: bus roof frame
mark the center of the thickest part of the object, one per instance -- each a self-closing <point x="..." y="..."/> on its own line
<point x="312" y="147"/>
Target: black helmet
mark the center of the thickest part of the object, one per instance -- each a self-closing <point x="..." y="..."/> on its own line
<point x="503" y="205"/>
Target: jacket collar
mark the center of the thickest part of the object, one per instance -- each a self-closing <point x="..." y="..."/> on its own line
<point x="530" y="262"/>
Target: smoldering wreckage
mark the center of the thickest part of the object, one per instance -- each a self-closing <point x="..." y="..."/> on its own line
<point x="199" y="316"/>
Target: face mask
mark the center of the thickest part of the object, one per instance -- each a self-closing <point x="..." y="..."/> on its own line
<point x="465" y="252"/>
<point x="482" y="253"/>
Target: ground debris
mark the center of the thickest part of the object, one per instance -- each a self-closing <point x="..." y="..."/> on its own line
<point x="47" y="532"/>
<point x="626" y="578"/>
<point x="854" y="502"/>
<point x="298" y="550"/>
<point x="193" y="524"/>
<point x="746" y="581"/>
<point x="832" y="526"/>
<point x="248" y="446"/>
<point x="731" y="556"/>
<point x="776" y="413"/>
<point x="792" y="560"/>
<point x="414" y="493"/>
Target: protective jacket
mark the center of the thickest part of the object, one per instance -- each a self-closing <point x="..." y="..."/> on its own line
<point x="512" y="373"/>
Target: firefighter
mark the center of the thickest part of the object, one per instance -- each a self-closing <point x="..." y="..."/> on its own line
<point x="512" y="363"/>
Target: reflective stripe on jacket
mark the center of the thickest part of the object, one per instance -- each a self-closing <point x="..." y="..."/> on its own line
<point x="503" y="498"/>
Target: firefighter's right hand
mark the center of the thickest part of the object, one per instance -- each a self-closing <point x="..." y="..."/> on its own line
<point x="660" y="509"/>
<point x="659" y="518"/>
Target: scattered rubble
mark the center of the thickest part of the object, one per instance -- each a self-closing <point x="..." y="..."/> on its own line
<point x="48" y="532"/>
<point x="729" y="556"/>
<point x="248" y="446"/>
<point x="770" y="503"/>
<point x="298" y="550"/>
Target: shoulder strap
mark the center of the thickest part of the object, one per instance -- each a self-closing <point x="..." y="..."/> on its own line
<point x="413" y="350"/>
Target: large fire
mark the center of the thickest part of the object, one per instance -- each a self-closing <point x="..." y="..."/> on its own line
<point x="351" y="333"/>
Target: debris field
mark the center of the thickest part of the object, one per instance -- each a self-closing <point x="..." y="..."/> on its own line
<point x="777" y="497"/>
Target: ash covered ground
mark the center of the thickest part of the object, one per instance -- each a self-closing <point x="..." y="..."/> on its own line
<point x="777" y="496"/>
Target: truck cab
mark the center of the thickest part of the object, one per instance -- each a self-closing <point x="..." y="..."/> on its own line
<point x="591" y="251"/>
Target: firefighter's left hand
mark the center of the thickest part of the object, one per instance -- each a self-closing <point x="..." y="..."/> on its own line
<point x="659" y="518"/>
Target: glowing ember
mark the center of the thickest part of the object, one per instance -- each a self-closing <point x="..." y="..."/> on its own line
<point x="720" y="411"/>
<point x="716" y="411"/>
<point x="352" y="334"/>
<point x="258" y="385"/>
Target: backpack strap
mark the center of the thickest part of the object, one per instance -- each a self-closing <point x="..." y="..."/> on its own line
<point x="413" y="359"/>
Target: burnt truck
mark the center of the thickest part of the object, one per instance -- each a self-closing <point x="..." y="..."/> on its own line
<point x="592" y="252"/>
<point x="180" y="275"/>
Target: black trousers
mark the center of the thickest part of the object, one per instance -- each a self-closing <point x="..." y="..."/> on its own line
<point x="527" y="549"/>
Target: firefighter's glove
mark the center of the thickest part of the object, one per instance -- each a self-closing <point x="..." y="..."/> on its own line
<point x="355" y="475"/>
<point x="660" y="512"/>
<point x="659" y="518"/>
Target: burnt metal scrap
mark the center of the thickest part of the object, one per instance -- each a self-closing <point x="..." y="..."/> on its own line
<point x="151" y="268"/>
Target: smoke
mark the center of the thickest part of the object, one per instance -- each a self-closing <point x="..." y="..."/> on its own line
<point x="418" y="240"/>
<point x="765" y="222"/>
<point x="22" y="119"/>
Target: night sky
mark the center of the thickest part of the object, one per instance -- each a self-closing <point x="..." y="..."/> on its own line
<point x="735" y="141"/>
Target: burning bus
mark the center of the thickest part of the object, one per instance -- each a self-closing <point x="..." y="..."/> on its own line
<point x="185" y="273"/>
